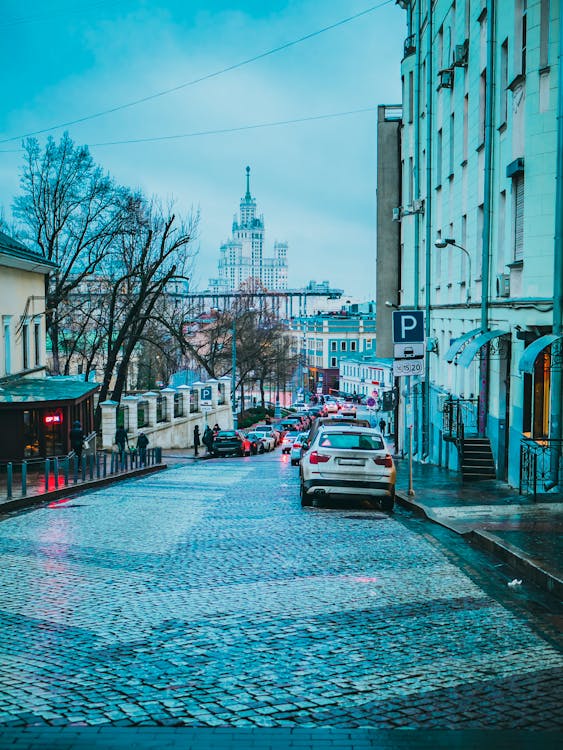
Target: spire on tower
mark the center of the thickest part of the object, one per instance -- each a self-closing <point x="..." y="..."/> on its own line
<point x="247" y="196"/>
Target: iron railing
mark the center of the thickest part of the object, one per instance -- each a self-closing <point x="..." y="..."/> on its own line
<point x="39" y="476"/>
<point x="540" y="462"/>
<point x="460" y="418"/>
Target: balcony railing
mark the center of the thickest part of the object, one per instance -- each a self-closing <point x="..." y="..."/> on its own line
<point x="540" y="463"/>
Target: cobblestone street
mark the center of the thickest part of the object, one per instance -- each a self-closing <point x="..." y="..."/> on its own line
<point x="206" y="596"/>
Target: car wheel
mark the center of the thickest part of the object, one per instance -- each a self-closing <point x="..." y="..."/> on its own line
<point x="294" y="462"/>
<point x="305" y="499"/>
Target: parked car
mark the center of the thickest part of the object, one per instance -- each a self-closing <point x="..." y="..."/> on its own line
<point x="297" y="448"/>
<point x="230" y="443"/>
<point x="348" y="410"/>
<point x="287" y="441"/>
<point x="256" y="440"/>
<point x="348" y="461"/>
<point x="269" y="430"/>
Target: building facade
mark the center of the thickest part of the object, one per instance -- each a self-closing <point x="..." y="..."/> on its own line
<point x="323" y="341"/>
<point x="481" y="203"/>
<point x="36" y="411"/>
<point x="242" y="261"/>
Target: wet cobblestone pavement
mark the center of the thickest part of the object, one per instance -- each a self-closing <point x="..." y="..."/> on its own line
<point x="205" y="596"/>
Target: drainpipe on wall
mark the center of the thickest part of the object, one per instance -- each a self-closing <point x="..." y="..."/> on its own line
<point x="428" y="237"/>
<point x="556" y="380"/>
<point x="487" y="198"/>
<point x="416" y="161"/>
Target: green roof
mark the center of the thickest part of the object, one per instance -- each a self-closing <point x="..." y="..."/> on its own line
<point x="15" y="249"/>
<point x="39" y="390"/>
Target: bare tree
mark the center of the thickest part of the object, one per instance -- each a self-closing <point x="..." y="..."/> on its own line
<point x="72" y="213"/>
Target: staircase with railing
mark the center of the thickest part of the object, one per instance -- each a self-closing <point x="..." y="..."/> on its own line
<point x="459" y="423"/>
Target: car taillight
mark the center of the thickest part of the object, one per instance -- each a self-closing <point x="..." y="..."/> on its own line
<point x="318" y="458"/>
<point x="297" y="445"/>
<point x="386" y="461"/>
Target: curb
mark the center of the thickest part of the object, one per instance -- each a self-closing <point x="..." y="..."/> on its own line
<point x="30" y="501"/>
<point x="488" y="542"/>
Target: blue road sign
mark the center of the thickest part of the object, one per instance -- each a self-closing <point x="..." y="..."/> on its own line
<point x="408" y="326"/>
<point x="206" y="394"/>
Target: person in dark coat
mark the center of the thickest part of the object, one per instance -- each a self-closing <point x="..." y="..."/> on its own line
<point x="142" y="443"/>
<point x="77" y="439"/>
<point x="197" y="440"/>
<point x="120" y="439"/>
<point x="208" y="440"/>
<point x="382" y="426"/>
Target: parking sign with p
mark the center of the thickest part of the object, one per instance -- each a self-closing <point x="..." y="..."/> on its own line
<point x="408" y="326"/>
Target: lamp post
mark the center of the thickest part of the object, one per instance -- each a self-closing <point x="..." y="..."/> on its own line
<point x="448" y="241"/>
<point x="234" y="372"/>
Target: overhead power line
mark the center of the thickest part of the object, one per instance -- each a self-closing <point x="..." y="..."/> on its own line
<point x="221" y="131"/>
<point x="206" y="77"/>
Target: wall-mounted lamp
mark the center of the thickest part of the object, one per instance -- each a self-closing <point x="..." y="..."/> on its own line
<point x="388" y="303"/>
<point x="441" y="244"/>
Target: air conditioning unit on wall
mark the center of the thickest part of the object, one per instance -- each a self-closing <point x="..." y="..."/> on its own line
<point x="503" y="285"/>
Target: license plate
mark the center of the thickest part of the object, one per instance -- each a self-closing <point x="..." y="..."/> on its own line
<point x="351" y="462"/>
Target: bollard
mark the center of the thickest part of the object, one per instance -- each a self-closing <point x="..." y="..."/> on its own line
<point x="91" y="465"/>
<point x="158" y="455"/>
<point x="9" y="478"/>
<point x="56" y="471"/>
<point x="105" y="466"/>
<point x="66" y="469"/>
<point x="47" y="472"/>
<point x="24" y="478"/>
<point x="75" y="469"/>
<point x="83" y="469"/>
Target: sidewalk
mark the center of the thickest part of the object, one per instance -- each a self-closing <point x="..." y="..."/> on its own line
<point x="525" y="534"/>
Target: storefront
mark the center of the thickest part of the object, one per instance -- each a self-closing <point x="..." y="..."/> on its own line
<point x="36" y="415"/>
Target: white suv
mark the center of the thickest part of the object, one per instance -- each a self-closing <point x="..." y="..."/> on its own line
<point x="348" y="461"/>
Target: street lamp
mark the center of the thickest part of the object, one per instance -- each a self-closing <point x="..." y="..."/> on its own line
<point x="234" y="372"/>
<point x="442" y="243"/>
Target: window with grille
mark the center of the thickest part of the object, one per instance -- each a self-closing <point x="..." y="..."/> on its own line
<point x="518" y="193"/>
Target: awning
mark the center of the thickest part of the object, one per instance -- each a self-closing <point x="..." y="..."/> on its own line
<point x="472" y="348"/>
<point x="456" y="344"/>
<point x="45" y="391"/>
<point x="528" y="358"/>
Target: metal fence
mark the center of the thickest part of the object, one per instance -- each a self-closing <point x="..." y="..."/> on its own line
<point x="142" y="413"/>
<point x="540" y="463"/>
<point x="459" y="418"/>
<point x="178" y="405"/>
<point x="38" y="476"/>
<point x="161" y="409"/>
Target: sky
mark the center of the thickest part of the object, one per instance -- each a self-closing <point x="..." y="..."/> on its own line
<point x="314" y="181"/>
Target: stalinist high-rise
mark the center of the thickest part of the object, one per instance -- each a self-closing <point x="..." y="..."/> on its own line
<point x="242" y="260"/>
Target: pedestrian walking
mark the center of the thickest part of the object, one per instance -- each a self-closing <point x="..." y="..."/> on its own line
<point x="121" y="438"/>
<point x="76" y="436"/>
<point x="216" y="430"/>
<point x="208" y="440"/>
<point x="142" y="443"/>
<point x="197" y="440"/>
<point x="382" y="426"/>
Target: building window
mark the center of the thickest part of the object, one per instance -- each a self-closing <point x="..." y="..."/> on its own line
<point x="333" y="346"/>
<point x="503" y="82"/>
<point x="482" y="106"/>
<point x="25" y="346"/>
<point x="465" y="126"/>
<point x="544" y="33"/>
<point x="368" y="344"/>
<point x="518" y="206"/>
<point x="343" y="346"/>
<point x="411" y="96"/>
<point x="333" y="362"/>
<point x="37" y="343"/>
<point x="7" y="345"/>
<point x="439" y="159"/>
<point x="452" y="143"/>
<point x="352" y="346"/>
<point x="520" y="37"/>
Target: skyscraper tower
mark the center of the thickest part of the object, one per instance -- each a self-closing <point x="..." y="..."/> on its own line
<point x="242" y="258"/>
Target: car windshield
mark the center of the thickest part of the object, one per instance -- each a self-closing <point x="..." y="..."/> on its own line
<point x="351" y="441"/>
<point x="227" y="433"/>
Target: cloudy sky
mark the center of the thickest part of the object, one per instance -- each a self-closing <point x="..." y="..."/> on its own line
<point x="314" y="181"/>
